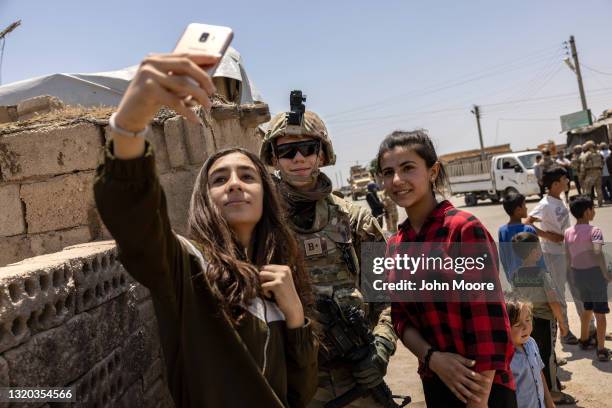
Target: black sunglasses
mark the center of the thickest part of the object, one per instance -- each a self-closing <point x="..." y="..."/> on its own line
<point x="289" y="150"/>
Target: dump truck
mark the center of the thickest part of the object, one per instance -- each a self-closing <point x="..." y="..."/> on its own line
<point x="359" y="180"/>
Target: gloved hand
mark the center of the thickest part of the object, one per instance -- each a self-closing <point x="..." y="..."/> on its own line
<point x="370" y="371"/>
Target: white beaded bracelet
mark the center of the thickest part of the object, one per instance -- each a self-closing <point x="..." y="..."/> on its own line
<point x="123" y="132"/>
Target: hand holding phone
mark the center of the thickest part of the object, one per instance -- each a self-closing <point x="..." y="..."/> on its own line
<point x="203" y="39"/>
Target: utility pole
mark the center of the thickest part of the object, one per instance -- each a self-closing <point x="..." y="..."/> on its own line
<point x="3" y="34"/>
<point x="476" y="112"/>
<point x="578" y="74"/>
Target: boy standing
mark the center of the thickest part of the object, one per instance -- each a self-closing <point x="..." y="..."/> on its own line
<point x="589" y="272"/>
<point x="553" y="216"/>
<point x="533" y="283"/>
<point x="515" y="207"/>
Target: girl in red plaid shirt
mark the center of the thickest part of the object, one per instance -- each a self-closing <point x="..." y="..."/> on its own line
<point x="463" y="346"/>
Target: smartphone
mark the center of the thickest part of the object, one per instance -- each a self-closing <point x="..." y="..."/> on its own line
<point x="204" y="38"/>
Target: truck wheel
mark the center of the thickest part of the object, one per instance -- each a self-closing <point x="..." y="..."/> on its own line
<point x="471" y="200"/>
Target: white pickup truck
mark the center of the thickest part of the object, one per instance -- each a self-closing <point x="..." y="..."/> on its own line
<point x="495" y="177"/>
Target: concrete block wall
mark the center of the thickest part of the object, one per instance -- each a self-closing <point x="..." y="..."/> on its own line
<point x="75" y="318"/>
<point x="47" y="171"/>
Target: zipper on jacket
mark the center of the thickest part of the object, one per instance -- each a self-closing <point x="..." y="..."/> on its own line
<point x="265" y="356"/>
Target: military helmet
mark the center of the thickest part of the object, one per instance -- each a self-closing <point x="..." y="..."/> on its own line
<point x="589" y="144"/>
<point x="603" y="145"/>
<point x="577" y="149"/>
<point x="311" y="125"/>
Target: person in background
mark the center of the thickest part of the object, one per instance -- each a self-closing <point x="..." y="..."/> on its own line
<point x="609" y="167"/>
<point x="553" y="216"/>
<point x="391" y="215"/>
<point x="376" y="206"/>
<point x="589" y="272"/>
<point x="593" y="164"/>
<point x="533" y="283"/>
<point x="547" y="160"/>
<point x="576" y="167"/>
<point x="537" y="171"/>
<point x="566" y="164"/>
<point x="514" y="205"/>
<point x="606" y="180"/>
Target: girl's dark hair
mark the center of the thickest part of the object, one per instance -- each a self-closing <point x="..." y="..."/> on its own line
<point x="514" y="307"/>
<point x="233" y="278"/>
<point x="418" y="140"/>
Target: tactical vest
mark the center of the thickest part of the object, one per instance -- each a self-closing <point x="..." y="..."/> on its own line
<point x="329" y="253"/>
<point x="593" y="161"/>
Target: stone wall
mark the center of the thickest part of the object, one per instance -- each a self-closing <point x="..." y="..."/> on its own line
<point x="75" y="318"/>
<point x="47" y="170"/>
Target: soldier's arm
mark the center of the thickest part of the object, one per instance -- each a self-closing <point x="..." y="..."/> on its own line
<point x="365" y="228"/>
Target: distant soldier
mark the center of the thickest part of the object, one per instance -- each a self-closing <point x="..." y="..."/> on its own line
<point x="566" y="164"/>
<point x="391" y="215"/>
<point x="593" y="163"/>
<point x="606" y="180"/>
<point x="576" y="167"/>
<point x="547" y="161"/>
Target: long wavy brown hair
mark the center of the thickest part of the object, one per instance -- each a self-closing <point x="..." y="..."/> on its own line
<point x="234" y="279"/>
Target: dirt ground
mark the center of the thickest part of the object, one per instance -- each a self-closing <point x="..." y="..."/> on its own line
<point x="588" y="380"/>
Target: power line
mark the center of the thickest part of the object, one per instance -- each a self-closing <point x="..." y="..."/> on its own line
<point x="367" y="119"/>
<point x="596" y="70"/>
<point x="518" y="63"/>
<point x="544" y="97"/>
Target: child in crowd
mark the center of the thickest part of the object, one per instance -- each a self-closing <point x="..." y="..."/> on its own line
<point x="553" y="216"/>
<point x="526" y="363"/>
<point x="589" y="273"/>
<point x="515" y="207"/>
<point x="532" y="282"/>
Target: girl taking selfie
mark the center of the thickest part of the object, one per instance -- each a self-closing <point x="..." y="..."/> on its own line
<point x="463" y="346"/>
<point x="230" y="298"/>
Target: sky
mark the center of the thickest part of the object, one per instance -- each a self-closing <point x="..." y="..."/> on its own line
<point x="367" y="68"/>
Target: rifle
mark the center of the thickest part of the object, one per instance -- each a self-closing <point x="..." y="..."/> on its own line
<point x="350" y="340"/>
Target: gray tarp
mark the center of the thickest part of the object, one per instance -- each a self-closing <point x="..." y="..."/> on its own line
<point x="106" y="88"/>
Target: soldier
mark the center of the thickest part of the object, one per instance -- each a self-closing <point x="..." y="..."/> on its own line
<point x="576" y="167"/>
<point x="606" y="180"/>
<point x="592" y="162"/>
<point x="391" y="215"/>
<point x="330" y="231"/>
<point x="547" y="161"/>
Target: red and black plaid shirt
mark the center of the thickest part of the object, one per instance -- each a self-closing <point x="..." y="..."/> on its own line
<point x="475" y="330"/>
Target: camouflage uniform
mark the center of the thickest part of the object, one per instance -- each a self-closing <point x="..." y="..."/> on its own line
<point x="391" y="215"/>
<point x="592" y="162"/>
<point x="576" y="166"/>
<point x="547" y="162"/>
<point x="330" y="248"/>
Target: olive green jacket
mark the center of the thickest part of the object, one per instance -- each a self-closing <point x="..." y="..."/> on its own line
<point x="209" y="363"/>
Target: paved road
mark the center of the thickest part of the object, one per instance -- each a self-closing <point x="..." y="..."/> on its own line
<point x="587" y="380"/>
